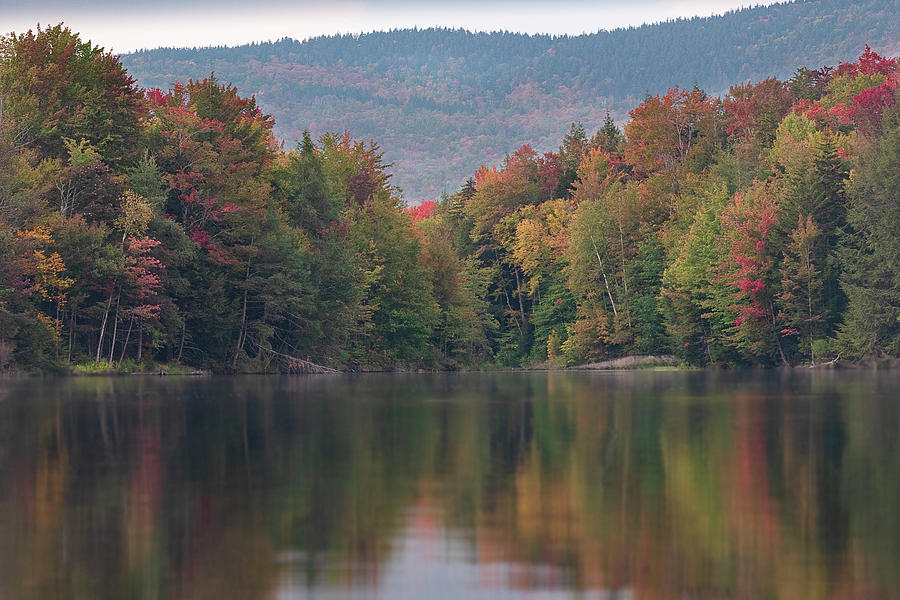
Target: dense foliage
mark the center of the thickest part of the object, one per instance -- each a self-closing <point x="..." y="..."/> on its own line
<point x="168" y="225"/>
<point x="420" y="92"/>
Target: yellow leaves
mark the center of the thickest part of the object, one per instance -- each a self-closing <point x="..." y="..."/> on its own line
<point x="49" y="282"/>
<point x="796" y="138"/>
<point x="135" y="216"/>
<point x="589" y="335"/>
<point x="530" y="251"/>
<point x="554" y="345"/>
<point x="540" y="239"/>
<point x="81" y="152"/>
<point x="595" y="173"/>
<point x="54" y="325"/>
<point x="46" y="270"/>
<point x="40" y="234"/>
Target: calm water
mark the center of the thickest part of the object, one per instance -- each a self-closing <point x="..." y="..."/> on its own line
<point x="552" y="485"/>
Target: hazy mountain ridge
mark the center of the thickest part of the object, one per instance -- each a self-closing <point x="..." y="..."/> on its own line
<point x="443" y="101"/>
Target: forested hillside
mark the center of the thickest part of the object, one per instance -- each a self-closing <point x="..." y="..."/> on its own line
<point x="144" y="226"/>
<point x="442" y="102"/>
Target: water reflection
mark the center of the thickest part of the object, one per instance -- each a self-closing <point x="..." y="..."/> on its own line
<point x="554" y="485"/>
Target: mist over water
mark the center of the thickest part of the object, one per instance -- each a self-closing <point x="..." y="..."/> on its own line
<point x="547" y="485"/>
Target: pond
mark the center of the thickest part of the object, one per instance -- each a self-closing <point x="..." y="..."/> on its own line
<point x="758" y="484"/>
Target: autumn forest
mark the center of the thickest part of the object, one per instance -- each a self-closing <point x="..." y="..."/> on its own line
<point x="148" y="227"/>
<point x="484" y="94"/>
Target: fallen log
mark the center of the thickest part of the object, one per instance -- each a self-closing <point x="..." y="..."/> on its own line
<point x="297" y="366"/>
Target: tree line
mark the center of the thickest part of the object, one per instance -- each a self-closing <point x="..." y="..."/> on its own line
<point x="143" y="226"/>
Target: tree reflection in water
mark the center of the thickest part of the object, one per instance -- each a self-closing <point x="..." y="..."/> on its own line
<point x="626" y="485"/>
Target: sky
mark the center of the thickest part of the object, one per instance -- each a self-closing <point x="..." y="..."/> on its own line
<point x="124" y="25"/>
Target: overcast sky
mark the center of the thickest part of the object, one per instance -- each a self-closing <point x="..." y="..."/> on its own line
<point x="124" y="25"/>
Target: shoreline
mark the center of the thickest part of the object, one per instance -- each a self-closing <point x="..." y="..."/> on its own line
<point x="622" y="364"/>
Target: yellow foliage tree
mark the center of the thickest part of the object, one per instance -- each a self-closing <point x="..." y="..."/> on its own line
<point x="135" y="216"/>
<point x="47" y="272"/>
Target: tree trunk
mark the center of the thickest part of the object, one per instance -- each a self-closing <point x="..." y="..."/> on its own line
<point x="181" y="346"/>
<point x="624" y="277"/>
<point x="784" y="359"/>
<point x="127" y="338"/>
<point x="508" y="303"/>
<point x="519" y="292"/>
<point x="812" y="352"/>
<point x="71" y="333"/>
<point x="240" y="342"/>
<point x="57" y="326"/>
<point x="511" y="309"/>
<point x="112" y="345"/>
<point x="605" y="280"/>
<point x="140" y="351"/>
<point x="103" y="326"/>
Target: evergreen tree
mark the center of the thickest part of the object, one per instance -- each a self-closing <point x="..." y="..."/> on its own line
<point x="871" y="256"/>
<point x="609" y="137"/>
<point x="801" y="299"/>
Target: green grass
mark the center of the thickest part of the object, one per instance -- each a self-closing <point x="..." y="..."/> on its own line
<point x="129" y="367"/>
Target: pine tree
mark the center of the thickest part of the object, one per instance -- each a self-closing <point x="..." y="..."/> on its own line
<point x="871" y="254"/>
<point x="609" y="137"/>
<point x="800" y="299"/>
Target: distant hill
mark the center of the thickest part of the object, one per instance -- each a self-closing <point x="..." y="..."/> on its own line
<point x="442" y="101"/>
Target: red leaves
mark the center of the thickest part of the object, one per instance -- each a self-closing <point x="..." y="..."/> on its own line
<point x="523" y="163"/>
<point x="664" y="130"/>
<point x="484" y="173"/>
<point x="155" y="97"/>
<point x="841" y="114"/>
<point x="193" y="198"/>
<point x="214" y="147"/>
<point x="516" y="183"/>
<point x="814" y="111"/>
<point x="140" y="246"/>
<point x="747" y="286"/>
<point x="184" y="125"/>
<point x="422" y="211"/>
<point x="216" y="254"/>
<point x="748" y="223"/>
<point x="144" y="273"/>
<point x="199" y="237"/>
<point x="869" y="63"/>
<point x="866" y="109"/>
<point x="747" y="105"/>
<point x="870" y="104"/>
<point x="549" y="172"/>
<point x="838" y="115"/>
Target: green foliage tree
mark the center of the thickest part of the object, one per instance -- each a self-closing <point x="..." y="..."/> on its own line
<point x="57" y="86"/>
<point x="871" y="254"/>
<point x="801" y="297"/>
<point x="399" y="288"/>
